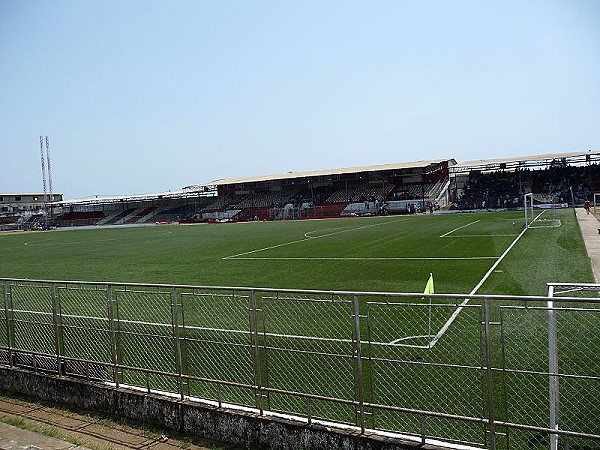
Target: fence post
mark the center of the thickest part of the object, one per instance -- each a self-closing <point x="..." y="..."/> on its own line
<point x="55" y="320"/>
<point x="359" y="368"/>
<point x="9" y="335"/>
<point x="256" y="348"/>
<point x="113" y="338"/>
<point x="490" y="385"/>
<point x="553" y="370"/>
<point x="175" y="313"/>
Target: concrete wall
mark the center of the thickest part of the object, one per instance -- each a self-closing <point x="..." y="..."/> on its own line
<point x="192" y="418"/>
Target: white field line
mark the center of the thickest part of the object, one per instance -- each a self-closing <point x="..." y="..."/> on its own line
<point x="556" y="224"/>
<point x="481" y="235"/>
<point x="455" y="314"/>
<point x="308" y="238"/>
<point x="456" y="229"/>
<point x="447" y="235"/>
<point x="187" y="327"/>
<point x="407" y="338"/>
<point x="48" y="242"/>
<point x="309" y="234"/>
<point x="376" y="258"/>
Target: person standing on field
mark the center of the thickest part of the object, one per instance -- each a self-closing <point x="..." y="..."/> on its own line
<point x="586" y="206"/>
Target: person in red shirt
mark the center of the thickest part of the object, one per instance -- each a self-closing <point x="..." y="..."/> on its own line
<point x="586" y="205"/>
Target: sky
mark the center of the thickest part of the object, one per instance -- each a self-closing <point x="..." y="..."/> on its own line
<point x="150" y="96"/>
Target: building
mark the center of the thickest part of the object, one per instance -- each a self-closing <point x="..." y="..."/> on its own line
<point x="25" y="203"/>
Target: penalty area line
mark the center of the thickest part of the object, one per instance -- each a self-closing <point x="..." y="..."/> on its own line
<point x="480" y="235"/>
<point x="359" y="258"/>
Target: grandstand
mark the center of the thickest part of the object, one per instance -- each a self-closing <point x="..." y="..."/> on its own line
<point x="399" y="188"/>
<point x="502" y="183"/>
<point x="326" y="193"/>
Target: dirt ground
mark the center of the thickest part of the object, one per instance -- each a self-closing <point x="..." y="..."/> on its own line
<point x="26" y="424"/>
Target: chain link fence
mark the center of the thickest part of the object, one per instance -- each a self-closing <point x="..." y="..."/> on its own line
<point x="493" y="372"/>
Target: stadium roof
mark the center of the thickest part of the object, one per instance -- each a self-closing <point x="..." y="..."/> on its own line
<point x="11" y="194"/>
<point x="526" y="161"/>
<point x="134" y="198"/>
<point x="324" y="173"/>
<point x="210" y="189"/>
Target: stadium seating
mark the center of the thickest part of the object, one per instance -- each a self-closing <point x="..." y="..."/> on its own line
<point x="364" y="192"/>
<point x="79" y="218"/>
<point x="140" y="215"/>
<point x="111" y="220"/>
<point x="502" y="189"/>
<point x="262" y="199"/>
<point x="7" y="220"/>
<point x="83" y="215"/>
<point x="173" y="214"/>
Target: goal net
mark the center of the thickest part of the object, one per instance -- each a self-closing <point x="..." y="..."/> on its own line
<point x="541" y="210"/>
<point x="596" y="203"/>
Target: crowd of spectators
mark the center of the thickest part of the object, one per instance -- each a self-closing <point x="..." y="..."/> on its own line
<point x="504" y="189"/>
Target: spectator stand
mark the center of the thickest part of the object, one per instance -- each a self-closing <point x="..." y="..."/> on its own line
<point x="502" y="183"/>
<point x="297" y="195"/>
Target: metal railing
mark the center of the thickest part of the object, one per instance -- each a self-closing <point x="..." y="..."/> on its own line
<point x="488" y="371"/>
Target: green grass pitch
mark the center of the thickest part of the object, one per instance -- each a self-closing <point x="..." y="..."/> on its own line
<point x="393" y="254"/>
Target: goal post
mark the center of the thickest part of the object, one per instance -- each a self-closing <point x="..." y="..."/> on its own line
<point x="596" y="202"/>
<point x="547" y="206"/>
<point x="528" y="206"/>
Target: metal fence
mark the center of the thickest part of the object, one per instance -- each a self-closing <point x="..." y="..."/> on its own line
<point x="487" y="371"/>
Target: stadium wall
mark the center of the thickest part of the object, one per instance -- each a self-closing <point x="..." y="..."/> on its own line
<point x="189" y="417"/>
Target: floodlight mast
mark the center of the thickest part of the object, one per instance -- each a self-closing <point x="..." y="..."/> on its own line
<point x="48" y="196"/>
<point x="50" y="192"/>
<point x="44" y="178"/>
<point x="43" y="166"/>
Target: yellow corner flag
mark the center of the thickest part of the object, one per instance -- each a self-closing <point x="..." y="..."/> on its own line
<point x="429" y="290"/>
<point x="429" y="286"/>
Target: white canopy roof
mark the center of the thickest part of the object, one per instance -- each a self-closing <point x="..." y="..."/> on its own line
<point x="328" y="172"/>
<point x="526" y="161"/>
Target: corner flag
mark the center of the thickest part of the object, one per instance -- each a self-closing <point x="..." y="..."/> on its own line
<point x="429" y="290"/>
<point x="429" y="285"/>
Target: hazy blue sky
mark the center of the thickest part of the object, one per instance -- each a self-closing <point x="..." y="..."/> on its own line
<point x="147" y="96"/>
